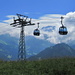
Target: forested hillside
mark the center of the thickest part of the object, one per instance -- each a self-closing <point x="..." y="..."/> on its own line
<point x="57" y="66"/>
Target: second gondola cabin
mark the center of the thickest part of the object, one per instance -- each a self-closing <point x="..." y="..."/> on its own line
<point x="63" y="30"/>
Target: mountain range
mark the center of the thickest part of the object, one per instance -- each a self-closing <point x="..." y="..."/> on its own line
<point x="56" y="51"/>
<point x="9" y="46"/>
<point x="34" y="48"/>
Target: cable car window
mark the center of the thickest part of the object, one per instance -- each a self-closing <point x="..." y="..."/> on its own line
<point x="60" y="29"/>
<point x="65" y="29"/>
<point x="36" y="31"/>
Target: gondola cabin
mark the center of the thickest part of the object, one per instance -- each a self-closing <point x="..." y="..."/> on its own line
<point x="63" y="30"/>
<point x="36" y="32"/>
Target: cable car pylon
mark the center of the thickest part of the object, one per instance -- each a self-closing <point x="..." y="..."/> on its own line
<point x="21" y="22"/>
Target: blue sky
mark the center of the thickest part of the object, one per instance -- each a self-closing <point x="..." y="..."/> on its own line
<point x="46" y="12"/>
<point x="35" y="8"/>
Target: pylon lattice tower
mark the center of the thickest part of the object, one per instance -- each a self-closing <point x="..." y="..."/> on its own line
<point x="22" y="51"/>
<point x="20" y="23"/>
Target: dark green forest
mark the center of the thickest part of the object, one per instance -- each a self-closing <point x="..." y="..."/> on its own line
<point x="53" y="66"/>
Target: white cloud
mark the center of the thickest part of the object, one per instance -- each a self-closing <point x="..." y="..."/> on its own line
<point x="52" y="20"/>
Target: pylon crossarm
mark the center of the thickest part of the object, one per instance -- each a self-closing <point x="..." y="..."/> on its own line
<point x="28" y="24"/>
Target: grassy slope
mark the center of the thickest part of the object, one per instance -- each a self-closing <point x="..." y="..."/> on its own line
<point x="62" y="66"/>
